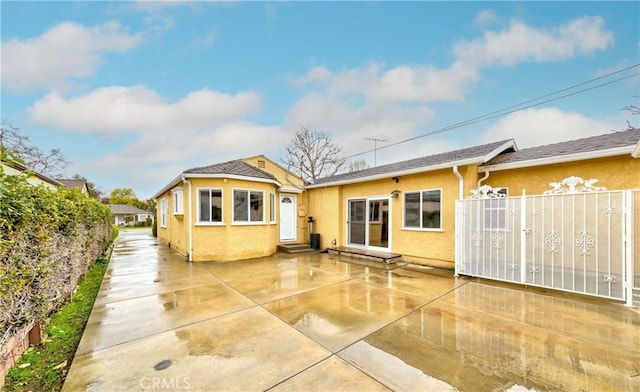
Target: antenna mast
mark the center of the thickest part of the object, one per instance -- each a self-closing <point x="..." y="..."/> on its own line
<point x="375" y="148"/>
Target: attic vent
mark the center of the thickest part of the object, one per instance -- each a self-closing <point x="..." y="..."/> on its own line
<point x="261" y="164"/>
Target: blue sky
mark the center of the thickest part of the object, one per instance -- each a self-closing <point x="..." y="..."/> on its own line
<point x="133" y="93"/>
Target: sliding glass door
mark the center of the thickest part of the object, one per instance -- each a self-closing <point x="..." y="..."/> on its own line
<point x="368" y="224"/>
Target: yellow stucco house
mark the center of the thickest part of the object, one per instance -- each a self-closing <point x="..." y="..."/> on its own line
<point x="246" y="208"/>
<point x="232" y="210"/>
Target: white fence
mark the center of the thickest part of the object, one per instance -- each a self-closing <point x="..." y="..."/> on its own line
<point x="575" y="237"/>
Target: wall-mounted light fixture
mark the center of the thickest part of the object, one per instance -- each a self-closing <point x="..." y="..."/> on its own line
<point x="396" y="179"/>
<point x="395" y="194"/>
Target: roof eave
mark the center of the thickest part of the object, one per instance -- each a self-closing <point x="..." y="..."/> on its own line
<point x="636" y="150"/>
<point x="558" y="159"/>
<point x="234" y="177"/>
<point x="399" y="173"/>
<point x="179" y="178"/>
<point x="469" y="161"/>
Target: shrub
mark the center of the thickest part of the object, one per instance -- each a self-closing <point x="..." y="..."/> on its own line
<point x="48" y="240"/>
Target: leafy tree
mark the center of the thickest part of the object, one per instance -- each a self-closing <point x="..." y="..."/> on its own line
<point x="51" y="162"/>
<point x="128" y="196"/>
<point x="147" y="205"/>
<point x="94" y="191"/>
<point x="123" y="196"/>
<point x="313" y="154"/>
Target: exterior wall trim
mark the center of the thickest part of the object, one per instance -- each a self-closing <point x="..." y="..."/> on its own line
<point x="423" y="169"/>
<point x="558" y="159"/>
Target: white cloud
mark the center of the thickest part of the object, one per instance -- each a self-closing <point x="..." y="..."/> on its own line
<point x="399" y="84"/>
<point x="535" y="127"/>
<point x="156" y="158"/>
<point x="113" y="110"/>
<point x="377" y="100"/>
<point x="203" y="127"/>
<point x="522" y="43"/>
<point x="64" y="52"/>
<point x="485" y="17"/>
<point x="349" y="124"/>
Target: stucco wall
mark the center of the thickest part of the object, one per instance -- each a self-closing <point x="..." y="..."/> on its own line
<point x="614" y="173"/>
<point x="433" y="247"/>
<point x="325" y="208"/>
<point x="232" y="241"/>
<point x="174" y="234"/>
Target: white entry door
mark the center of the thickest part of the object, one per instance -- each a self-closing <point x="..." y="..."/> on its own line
<point x="288" y="218"/>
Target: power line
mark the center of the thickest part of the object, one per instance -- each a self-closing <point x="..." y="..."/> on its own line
<point x="516" y="107"/>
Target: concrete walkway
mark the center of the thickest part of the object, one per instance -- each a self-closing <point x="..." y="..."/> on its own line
<point x="319" y="323"/>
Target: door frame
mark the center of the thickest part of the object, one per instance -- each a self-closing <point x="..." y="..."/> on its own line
<point x="367" y="200"/>
<point x="293" y="217"/>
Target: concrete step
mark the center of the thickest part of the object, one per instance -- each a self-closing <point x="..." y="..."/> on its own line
<point x="381" y="257"/>
<point x="295" y="248"/>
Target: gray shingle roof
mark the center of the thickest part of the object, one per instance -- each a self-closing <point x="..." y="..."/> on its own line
<point x="72" y="183"/>
<point x="237" y="168"/>
<point x="126" y="209"/>
<point x="590" y="144"/>
<point x="471" y="153"/>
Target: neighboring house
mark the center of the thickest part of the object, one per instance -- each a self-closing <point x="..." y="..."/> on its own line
<point x="245" y="208"/>
<point x="75" y="184"/>
<point x="35" y="178"/>
<point x="233" y="210"/>
<point x="125" y="215"/>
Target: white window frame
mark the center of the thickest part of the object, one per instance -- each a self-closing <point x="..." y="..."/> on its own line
<point x="420" y="212"/>
<point x="178" y="201"/>
<point x="163" y="212"/>
<point x="272" y="207"/>
<point x="248" y="200"/>
<point x="210" y="222"/>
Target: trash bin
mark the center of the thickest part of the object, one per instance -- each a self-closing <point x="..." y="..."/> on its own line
<point x="315" y="241"/>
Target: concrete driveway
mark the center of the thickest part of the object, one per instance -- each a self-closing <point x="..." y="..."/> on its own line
<point x="316" y="322"/>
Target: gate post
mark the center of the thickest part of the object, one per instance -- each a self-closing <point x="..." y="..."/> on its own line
<point x="523" y="238"/>
<point x="627" y="197"/>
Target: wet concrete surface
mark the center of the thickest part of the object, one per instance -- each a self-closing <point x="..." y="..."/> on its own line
<point x="318" y="322"/>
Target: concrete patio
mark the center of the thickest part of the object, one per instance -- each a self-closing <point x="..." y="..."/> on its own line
<point x="319" y="322"/>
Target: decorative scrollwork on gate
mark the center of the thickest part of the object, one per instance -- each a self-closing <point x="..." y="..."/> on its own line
<point x="608" y="278"/>
<point x="552" y="240"/>
<point x="574" y="184"/>
<point x="533" y="269"/>
<point x="476" y="238"/>
<point x="584" y="242"/>
<point x="497" y="238"/>
<point x="610" y="210"/>
<point x="486" y="192"/>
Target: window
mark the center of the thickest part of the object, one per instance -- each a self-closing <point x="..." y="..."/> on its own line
<point x="375" y="211"/>
<point x="163" y="212"/>
<point x="495" y="210"/>
<point x="178" y="201"/>
<point x="272" y="207"/>
<point x="422" y="210"/>
<point x="248" y="206"/>
<point x="210" y="205"/>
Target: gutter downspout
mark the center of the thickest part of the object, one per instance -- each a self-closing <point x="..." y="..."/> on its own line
<point x="460" y="182"/>
<point x="190" y="231"/>
<point x="486" y="175"/>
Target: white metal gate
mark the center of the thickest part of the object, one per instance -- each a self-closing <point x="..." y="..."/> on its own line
<point x="575" y="237"/>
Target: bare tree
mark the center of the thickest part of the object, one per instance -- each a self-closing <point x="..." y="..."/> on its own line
<point x="50" y="162"/>
<point x="313" y="155"/>
<point x="357" y="165"/>
<point x="634" y="110"/>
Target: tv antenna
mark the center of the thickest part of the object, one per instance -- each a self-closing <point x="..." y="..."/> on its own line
<point x="375" y="147"/>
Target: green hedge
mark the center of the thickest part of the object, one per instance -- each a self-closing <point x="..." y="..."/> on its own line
<point x="48" y="240"/>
